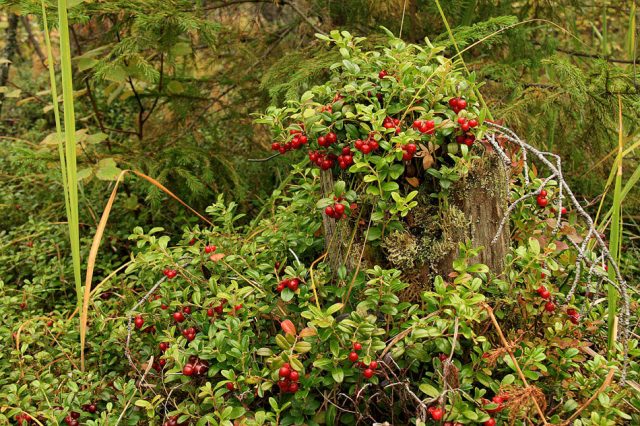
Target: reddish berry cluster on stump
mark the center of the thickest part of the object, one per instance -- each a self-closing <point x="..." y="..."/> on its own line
<point x="290" y="283"/>
<point x="336" y="211"/>
<point x="346" y="158"/>
<point x="288" y="382"/>
<point x="322" y="159"/>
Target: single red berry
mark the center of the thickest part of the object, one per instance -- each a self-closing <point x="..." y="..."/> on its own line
<point x="541" y="289"/>
<point x="210" y="312"/>
<point x="437" y="413"/>
<point x="284" y="372"/>
<point x="473" y="123"/>
<point x="293" y="387"/>
<point x="453" y="102"/>
<point x="382" y="74"/>
<point x="331" y="137"/>
<point x="563" y="211"/>
<point x="373" y="365"/>
<point x="294" y="376"/>
<point x="542" y="202"/>
<point x="187" y="310"/>
<point x="329" y="211"/>
<point x="357" y="346"/>
<point x="549" y="306"/>
<point x="368" y="373"/>
<point x="188" y="370"/>
<point x="178" y="316"/>
<point x="462" y="120"/>
<point x="462" y="104"/>
<point x="490" y="422"/>
<point x="238" y="307"/>
<point x="230" y="386"/>
<point x="353" y="357"/>
<point x="543" y="193"/>
<point x="545" y="294"/>
<point x="163" y="346"/>
<point x="138" y="321"/>
<point x="338" y="208"/>
<point x="322" y="141"/>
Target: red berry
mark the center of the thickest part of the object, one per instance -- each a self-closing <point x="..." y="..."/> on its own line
<point x="187" y="310"/>
<point x="382" y="74"/>
<point x="542" y="202"/>
<point x="339" y="209"/>
<point x="545" y="294"/>
<point x="331" y="137"/>
<point x="543" y="193"/>
<point x="163" y="346"/>
<point x="368" y="373"/>
<point x="138" y="321"/>
<point x="541" y="289"/>
<point x="462" y="104"/>
<point x="322" y="141"/>
<point x="238" y="307"/>
<point x="453" y="102"/>
<point x="490" y="422"/>
<point x="462" y="120"/>
<point x="353" y="357"/>
<point x="549" y="307"/>
<point x="230" y="386"/>
<point x="210" y="249"/>
<point x="563" y="211"/>
<point x="437" y="413"/>
<point x="329" y="211"/>
<point x="411" y="148"/>
<point x="210" y="312"/>
<point x="188" y="370"/>
<point x="280" y="287"/>
<point x="473" y="123"/>
<point x="275" y="146"/>
<point x="293" y="387"/>
<point x="293" y="284"/>
<point x="294" y="376"/>
<point x="284" y="372"/>
<point x="357" y="346"/>
<point x="373" y="365"/>
<point x="178" y="316"/>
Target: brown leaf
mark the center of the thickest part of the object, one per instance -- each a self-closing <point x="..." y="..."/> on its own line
<point x="216" y="257"/>
<point x="415" y="182"/>
<point x="427" y="160"/>
<point x="308" y="332"/>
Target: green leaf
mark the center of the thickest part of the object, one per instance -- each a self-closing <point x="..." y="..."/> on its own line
<point x="107" y="169"/>
<point x="337" y="374"/>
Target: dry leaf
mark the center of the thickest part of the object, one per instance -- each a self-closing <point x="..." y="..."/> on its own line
<point x="413" y="182"/>
<point x="288" y="327"/>
<point x="216" y="257"/>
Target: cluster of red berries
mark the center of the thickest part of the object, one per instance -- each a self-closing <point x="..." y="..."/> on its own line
<point x="210" y="248"/>
<point x="189" y="333"/>
<point x="337" y="210"/>
<point x="322" y="159"/>
<point x="326" y="108"/>
<point x="195" y="366"/>
<point x="290" y="283"/>
<point x="366" y="146"/>
<point x="297" y="142"/>
<point x="391" y="123"/>
<point x="216" y="310"/>
<point x="457" y="104"/>
<point x="173" y="421"/>
<point x="345" y="159"/>
<point x="542" y="199"/>
<point x="425" y="126"/>
<point x="327" y="140"/>
<point x="409" y="151"/>
<point x="573" y="315"/>
<point x="90" y="408"/>
<point x="170" y="273"/>
<point x="72" y="419"/>
<point x="546" y="294"/>
<point x="23" y="419"/>
<point x="138" y="321"/>
<point x="288" y="382"/>
<point x="466" y="138"/>
<point x="437" y="413"/>
<point x="498" y="400"/>
<point x="466" y="125"/>
<point x="368" y="370"/>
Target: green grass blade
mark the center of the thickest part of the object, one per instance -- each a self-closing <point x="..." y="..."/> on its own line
<point x="70" y="143"/>
<point x="615" y="233"/>
<point x="56" y="109"/>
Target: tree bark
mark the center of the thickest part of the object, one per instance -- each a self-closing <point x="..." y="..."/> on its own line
<point x="10" y="49"/>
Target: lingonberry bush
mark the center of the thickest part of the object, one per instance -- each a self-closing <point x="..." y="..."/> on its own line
<point x="251" y="324"/>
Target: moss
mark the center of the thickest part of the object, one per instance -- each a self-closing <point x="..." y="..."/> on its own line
<point x="401" y="249"/>
<point x="443" y="232"/>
